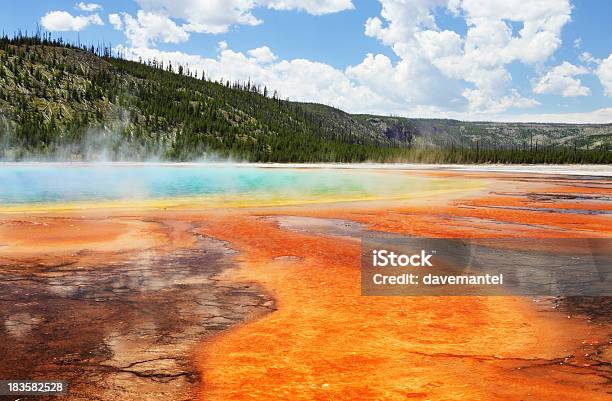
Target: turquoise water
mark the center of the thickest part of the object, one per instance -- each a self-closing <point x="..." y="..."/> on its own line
<point x="44" y="183"/>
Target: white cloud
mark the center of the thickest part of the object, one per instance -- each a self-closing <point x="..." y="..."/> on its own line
<point x="217" y="16"/>
<point x="481" y="101"/>
<point x="64" y="21"/>
<point x="604" y="73"/>
<point x="377" y="72"/>
<point x="588" y="58"/>
<point x="262" y="54"/>
<point x="314" y="7"/>
<point x="115" y="20"/>
<point x="148" y="28"/>
<point x="561" y="80"/>
<point x="480" y="57"/>
<point x="599" y="116"/>
<point x="89" y="7"/>
<point x="577" y="43"/>
<point x="211" y="16"/>
<point x="408" y="82"/>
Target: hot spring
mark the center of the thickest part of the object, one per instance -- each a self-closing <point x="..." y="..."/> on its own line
<point x="63" y="185"/>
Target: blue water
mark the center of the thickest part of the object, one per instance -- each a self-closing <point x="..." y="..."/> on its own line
<point x="45" y="183"/>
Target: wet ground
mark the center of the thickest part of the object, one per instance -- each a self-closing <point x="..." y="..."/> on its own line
<point x="123" y="329"/>
<point x="265" y="303"/>
<point x="327" y="341"/>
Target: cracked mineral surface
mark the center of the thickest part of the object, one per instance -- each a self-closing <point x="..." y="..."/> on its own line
<point x="120" y="328"/>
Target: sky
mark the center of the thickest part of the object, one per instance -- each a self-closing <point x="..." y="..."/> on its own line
<point x="511" y="60"/>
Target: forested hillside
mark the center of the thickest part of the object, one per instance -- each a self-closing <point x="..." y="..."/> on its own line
<point x="58" y="101"/>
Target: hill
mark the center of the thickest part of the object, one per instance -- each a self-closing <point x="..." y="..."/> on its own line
<point x="59" y="101"/>
<point x="496" y="134"/>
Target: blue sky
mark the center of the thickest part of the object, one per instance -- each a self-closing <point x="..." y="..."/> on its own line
<point x="541" y="60"/>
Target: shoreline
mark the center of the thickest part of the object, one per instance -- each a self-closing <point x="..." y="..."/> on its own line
<point x="595" y="170"/>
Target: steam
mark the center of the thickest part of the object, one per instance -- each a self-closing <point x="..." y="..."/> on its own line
<point x="26" y="183"/>
<point x="117" y="141"/>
